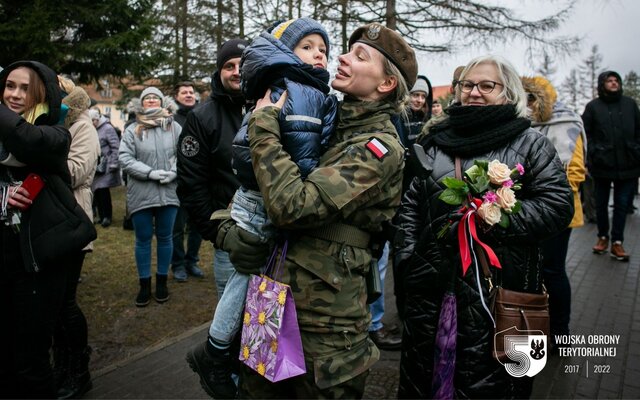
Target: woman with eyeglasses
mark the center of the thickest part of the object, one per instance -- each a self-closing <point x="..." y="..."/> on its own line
<point x="489" y="124"/>
<point x="148" y="157"/>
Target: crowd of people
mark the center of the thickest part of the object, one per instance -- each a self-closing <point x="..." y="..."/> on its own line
<point x="348" y="173"/>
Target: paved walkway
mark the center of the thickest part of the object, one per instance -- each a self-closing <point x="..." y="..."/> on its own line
<point x="605" y="294"/>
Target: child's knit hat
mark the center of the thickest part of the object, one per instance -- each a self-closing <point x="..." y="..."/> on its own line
<point x="292" y="31"/>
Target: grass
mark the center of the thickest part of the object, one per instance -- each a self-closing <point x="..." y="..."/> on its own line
<point x="117" y="328"/>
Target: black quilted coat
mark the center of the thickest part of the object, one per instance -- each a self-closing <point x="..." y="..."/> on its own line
<point x="424" y="266"/>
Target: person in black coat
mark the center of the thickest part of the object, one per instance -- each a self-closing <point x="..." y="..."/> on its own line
<point x="489" y="124"/>
<point x="38" y="232"/>
<point x="612" y="125"/>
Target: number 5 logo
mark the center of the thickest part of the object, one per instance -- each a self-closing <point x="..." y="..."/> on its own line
<point x="527" y="350"/>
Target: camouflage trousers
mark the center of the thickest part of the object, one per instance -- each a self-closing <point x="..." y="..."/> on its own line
<point x="330" y="370"/>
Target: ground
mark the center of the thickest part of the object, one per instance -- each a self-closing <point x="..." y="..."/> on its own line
<point x="117" y="328"/>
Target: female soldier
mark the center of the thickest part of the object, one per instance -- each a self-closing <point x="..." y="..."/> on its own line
<point x="332" y="214"/>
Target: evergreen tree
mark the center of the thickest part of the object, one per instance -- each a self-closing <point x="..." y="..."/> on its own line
<point x="84" y="38"/>
<point x="631" y="86"/>
<point x="571" y="91"/>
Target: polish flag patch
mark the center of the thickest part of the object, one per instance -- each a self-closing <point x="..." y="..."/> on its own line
<point x="378" y="149"/>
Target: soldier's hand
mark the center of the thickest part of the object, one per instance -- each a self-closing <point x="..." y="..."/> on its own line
<point x="247" y="252"/>
<point x="266" y="101"/>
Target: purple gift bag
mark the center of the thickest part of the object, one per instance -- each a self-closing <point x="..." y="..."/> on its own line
<point x="270" y="341"/>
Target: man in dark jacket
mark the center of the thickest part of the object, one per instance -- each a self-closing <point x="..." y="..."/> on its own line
<point x="184" y="263"/>
<point x="206" y="183"/>
<point x="612" y="125"/>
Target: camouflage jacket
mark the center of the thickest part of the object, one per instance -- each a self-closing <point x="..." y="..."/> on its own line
<point x="358" y="182"/>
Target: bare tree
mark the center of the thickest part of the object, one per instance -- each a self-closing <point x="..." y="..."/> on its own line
<point x="546" y="67"/>
<point x="571" y="90"/>
<point x="590" y="69"/>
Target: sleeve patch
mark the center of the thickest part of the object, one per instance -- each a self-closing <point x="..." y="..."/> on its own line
<point x="189" y="146"/>
<point x="376" y="147"/>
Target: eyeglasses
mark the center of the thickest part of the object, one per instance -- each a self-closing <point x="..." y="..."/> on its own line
<point x="151" y="97"/>
<point x="484" y="87"/>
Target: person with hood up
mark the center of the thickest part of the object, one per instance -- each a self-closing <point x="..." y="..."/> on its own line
<point x="148" y="157"/>
<point x="563" y="127"/>
<point x="612" y="125"/>
<point x="41" y="231"/>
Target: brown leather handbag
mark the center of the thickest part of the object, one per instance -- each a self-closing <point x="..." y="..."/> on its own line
<point x="515" y="313"/>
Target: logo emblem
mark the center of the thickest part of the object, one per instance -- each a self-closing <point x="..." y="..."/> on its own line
<point x="189" y="146"/>
<point x="373" y="32"/>
<point x="528" y="353"/>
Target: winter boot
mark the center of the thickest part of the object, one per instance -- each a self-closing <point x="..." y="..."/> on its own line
<point x="162" y="291"/>
<point x="60" y="364"/>
<point x="214" y="368"/>
<point x="78" y="380"/>
<point x="144" y="295"/>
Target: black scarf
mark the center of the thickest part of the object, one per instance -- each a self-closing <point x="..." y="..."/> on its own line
<point x="473" y="130"/>
<point x="305" y="74"/>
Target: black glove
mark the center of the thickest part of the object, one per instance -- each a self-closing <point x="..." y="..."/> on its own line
<point x="247" y="252"/>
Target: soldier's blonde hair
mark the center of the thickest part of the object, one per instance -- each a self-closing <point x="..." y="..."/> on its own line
<point x="399" y="97"/>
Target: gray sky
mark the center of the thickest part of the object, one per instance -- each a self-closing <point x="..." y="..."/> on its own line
<point x="612" y="25"/>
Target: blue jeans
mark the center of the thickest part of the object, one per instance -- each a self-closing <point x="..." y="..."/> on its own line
<point x="377" y="307"/>
<point x="143" y="224"/>
<point x="554" y="273"/>
<point x="227" y="318"/>
<point x="623" y="190"/>
<point x="181" y="258"/>
<point x="249" y="213"/>
<point x="222" y="270"/>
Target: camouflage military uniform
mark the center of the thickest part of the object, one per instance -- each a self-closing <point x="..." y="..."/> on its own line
<point x="357" y="182"/>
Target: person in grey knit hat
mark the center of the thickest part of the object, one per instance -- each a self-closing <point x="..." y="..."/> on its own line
<point x="151" y="90"/>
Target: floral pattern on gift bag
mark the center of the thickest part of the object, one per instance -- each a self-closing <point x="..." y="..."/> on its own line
<point x="270" y="342"/>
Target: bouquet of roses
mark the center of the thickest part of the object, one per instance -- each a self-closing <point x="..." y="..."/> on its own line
<point x="491" y="181"/>
<point x="487" y="189"/>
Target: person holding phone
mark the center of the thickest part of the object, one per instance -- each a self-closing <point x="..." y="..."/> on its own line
<point x="37" y="232"/>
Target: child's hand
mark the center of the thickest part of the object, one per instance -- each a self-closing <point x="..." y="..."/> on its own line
<point x="266" y="101"/>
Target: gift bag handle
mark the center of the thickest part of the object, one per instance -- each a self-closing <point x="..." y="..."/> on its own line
<point x="275" y="266"/>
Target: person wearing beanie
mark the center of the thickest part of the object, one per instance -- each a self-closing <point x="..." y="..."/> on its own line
<point x="148" y="156"/>
<point x="206" y="181"/>
<point x="291" y="57"/>
<point x="564" y="128"/>
<point x="612" y="125"/>
<point x="333" y="214"/>
<point x="184" y="262"/>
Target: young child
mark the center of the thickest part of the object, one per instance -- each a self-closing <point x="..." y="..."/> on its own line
<point x="292" y="57"/>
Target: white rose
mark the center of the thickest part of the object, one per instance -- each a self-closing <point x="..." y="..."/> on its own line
<point x="498" y="172"/>
<point x="490" y="213"/>
<point x="506" y="198"/>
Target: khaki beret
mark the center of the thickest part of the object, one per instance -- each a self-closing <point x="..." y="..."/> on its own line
<point x="391" y="45"/>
